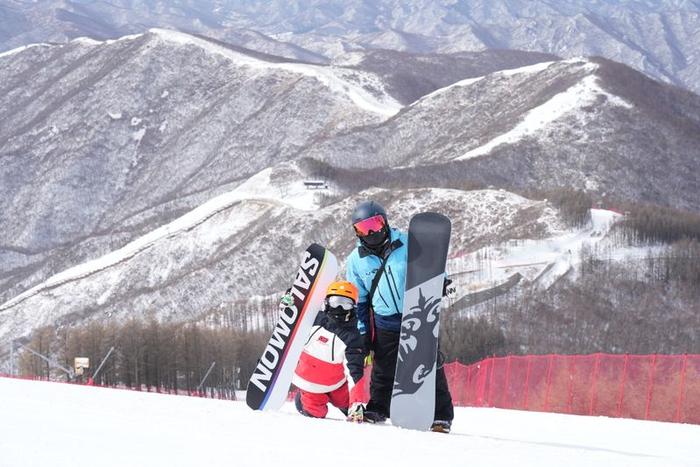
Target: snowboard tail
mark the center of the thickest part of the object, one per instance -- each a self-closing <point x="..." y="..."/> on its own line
<point x="269" y="384"/>
<point x="413" y="397"/>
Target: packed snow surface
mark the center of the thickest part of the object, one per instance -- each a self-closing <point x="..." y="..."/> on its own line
<point x="53" y="424"/>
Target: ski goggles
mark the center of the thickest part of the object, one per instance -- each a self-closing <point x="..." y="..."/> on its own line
<point x="338" y="301"/>
<point x="370" y="225"/>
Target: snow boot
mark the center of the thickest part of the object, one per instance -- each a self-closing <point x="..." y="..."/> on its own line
<point x="370" y="416"/>
<point x="441" y="426"/>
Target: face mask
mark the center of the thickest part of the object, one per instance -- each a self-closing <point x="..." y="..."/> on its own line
<point x="375" y="239"/>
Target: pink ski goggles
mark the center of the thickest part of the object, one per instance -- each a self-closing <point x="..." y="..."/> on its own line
<point x="370" y="225"/>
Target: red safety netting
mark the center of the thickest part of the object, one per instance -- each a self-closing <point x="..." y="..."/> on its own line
<point x="647" y="387"/>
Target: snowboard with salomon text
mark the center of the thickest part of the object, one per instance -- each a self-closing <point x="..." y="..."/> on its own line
<point x="269" y="384"/>
<point x="413" y="397"/>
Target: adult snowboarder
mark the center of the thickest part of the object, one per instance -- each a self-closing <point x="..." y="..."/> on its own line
<point x="378" y="268"/>
<point x="334" y="339"/>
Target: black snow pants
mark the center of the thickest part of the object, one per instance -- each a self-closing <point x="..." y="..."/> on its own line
<point x="386" y="347"/>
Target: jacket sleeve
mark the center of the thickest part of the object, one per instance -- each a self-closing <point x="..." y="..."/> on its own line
<point x="354" y="349"/>
<point x="353" y="276"/>
<point x="363" y="317"/>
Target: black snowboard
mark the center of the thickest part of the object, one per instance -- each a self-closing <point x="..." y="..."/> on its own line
<point x="413" y="398"/>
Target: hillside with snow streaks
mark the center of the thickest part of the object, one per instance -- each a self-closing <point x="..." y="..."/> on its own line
<point x="588" y="124"/>
<point x="585" y="93"/>
<point x="257" y="187"/>
<point x="353" y="84"/>
<point x="109" y="122"/>
<point x="243" y="245"/>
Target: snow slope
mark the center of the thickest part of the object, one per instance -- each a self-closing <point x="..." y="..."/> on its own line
<point x="585" y="93"/>
<point x="258" y="187"/>
<point x="541" y="261"/>
<point x="54" y="425"/>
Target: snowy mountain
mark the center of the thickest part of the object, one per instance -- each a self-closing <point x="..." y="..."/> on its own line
<point x="659" y="38"/>
<point x="162" y="174"/>
<point x="123" y="136"/>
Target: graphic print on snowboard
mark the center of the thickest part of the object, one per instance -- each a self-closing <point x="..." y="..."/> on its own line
<point x="419" y="325"/>
<point x="413" y="397"/>
<point x="270" y="381"/>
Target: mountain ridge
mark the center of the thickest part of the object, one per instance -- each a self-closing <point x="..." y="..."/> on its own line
<point x="657" y="38"/>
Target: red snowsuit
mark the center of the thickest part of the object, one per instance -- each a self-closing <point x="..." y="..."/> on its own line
<point x="320" y="373"/>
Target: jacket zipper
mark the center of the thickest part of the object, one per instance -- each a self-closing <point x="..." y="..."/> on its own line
<point x="382" y="297"/>
<point x="391" y="274"/>
<point x="312" y="334"/>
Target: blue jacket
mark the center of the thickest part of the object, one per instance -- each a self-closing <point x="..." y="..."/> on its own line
<point x="387" y="303"/>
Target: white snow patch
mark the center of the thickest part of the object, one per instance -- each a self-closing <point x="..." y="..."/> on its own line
<point x="349" y="59"/>
<point x="7" y="53"/>
<point x="138" y="135"/>
<point x="437" y="92"/>
<point x="82" y="426"/>
<point x="385" y="106"/>
<point x="583" y="93"/>
<point x="85" y="41"/>
<point x="123" y="38"/>
<point x="535" y="68"/>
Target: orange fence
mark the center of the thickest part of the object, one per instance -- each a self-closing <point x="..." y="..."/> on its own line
<point x="646" y="387"/>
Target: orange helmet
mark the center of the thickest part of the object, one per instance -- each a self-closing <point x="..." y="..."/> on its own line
<point x="344" y="289"/>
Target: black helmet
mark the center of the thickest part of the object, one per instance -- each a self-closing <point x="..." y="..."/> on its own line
<point x="375" y="234"/>
<point x="367" y="209"/>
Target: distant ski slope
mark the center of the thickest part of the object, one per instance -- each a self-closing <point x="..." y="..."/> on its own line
<point x="54" y="425"/>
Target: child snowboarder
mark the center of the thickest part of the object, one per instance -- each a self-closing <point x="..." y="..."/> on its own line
<point x="334" y="339"/>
